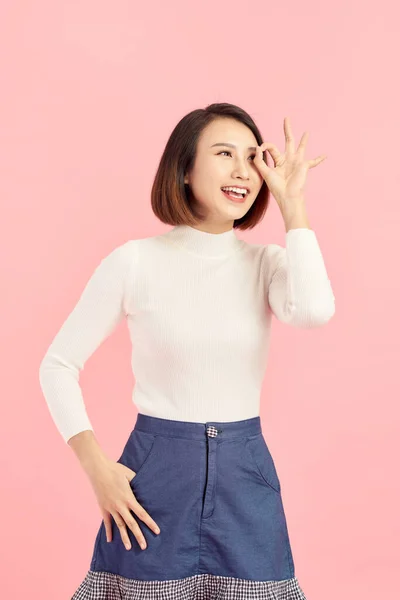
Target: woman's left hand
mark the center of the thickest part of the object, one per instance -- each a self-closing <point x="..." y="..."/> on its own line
<point x="286" y="180"/>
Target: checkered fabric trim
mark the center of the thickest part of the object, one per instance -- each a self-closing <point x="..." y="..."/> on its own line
<point x="99" y="585"/>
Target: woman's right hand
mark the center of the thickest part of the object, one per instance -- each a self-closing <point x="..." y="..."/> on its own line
<point x="111" y="483"/>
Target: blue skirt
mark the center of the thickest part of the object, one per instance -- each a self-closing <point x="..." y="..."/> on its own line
<point x="214" y="491"/>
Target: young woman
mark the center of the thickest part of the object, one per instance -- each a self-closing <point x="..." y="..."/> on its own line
<point x="196" y="482"/>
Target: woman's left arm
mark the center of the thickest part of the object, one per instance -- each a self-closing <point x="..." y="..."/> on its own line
<point x="299" y="290"/>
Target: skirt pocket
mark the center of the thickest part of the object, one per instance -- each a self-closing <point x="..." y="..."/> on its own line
<point x="261" y="458"/>
<point x="137" y="453"/>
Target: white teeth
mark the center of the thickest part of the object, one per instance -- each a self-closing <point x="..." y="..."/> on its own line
<point x="236" y="190"/>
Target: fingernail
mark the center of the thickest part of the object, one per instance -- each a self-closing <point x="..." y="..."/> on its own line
<point x="157" y="530"/>
<point x="143" y="546"/>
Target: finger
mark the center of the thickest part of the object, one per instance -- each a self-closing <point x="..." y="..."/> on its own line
<point x="289" y="138"/>
<point x="302" y="145"/>
<point x="273" y="151"/>
<point x="133" y="526"/>
<point x="133" y="476"/>
<point x="261" y="165"/>
<point x="316" y="161"/>
<point x="143" y="515"/>
<point x="108" y="526"/>
<point x="122" y="530"/>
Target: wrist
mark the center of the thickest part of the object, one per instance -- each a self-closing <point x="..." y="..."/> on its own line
<point x="87" y="450"/>
<point x="295" y="215"/>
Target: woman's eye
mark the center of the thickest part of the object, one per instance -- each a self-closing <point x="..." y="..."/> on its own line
<point x="227" y="152"/>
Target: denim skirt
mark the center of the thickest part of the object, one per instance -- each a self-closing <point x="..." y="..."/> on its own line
<point x="214" y="491"/>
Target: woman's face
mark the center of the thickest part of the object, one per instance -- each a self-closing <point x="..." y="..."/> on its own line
<point x="222" y="165"/>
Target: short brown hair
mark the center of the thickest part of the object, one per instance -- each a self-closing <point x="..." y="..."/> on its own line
<point x="169" y="198"/>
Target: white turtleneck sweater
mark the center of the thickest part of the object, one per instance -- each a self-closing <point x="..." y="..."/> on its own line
<point x="198" y="308"/>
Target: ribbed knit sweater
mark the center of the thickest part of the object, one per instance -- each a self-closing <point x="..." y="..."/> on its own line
<point x="198" y="307"/>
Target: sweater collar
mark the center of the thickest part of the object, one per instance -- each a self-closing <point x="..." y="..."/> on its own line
<point x="204" y="243"/>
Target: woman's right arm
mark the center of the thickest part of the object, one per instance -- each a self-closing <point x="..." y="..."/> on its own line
<point x="104" y="302"/>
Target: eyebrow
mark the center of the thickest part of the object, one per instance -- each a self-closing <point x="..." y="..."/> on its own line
<point x="231" y="145"/>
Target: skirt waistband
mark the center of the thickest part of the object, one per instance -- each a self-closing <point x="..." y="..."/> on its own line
<point x="198" y="431"/>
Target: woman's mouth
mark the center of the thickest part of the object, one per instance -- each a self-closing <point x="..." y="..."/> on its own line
<point x="234" y="197"/>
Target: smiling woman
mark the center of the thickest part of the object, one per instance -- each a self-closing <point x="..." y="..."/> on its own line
<point x="198" y="303"/>
<point x="236" y="167"/>
<point x="193" y="169"/>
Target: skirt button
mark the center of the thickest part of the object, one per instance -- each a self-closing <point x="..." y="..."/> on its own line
<point x="212" y="431"/>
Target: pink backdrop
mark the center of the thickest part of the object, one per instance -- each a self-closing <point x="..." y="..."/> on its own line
<point x="89" y="95"/>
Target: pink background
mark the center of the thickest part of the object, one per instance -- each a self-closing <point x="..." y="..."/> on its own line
<point x="90" y="93"/>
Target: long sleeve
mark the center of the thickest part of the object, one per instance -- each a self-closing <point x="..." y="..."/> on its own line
<point x="101" y="306"/>
<point x="299" y="290"/>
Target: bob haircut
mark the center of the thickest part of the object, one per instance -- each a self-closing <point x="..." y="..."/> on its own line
<point x="170" y="196"/>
